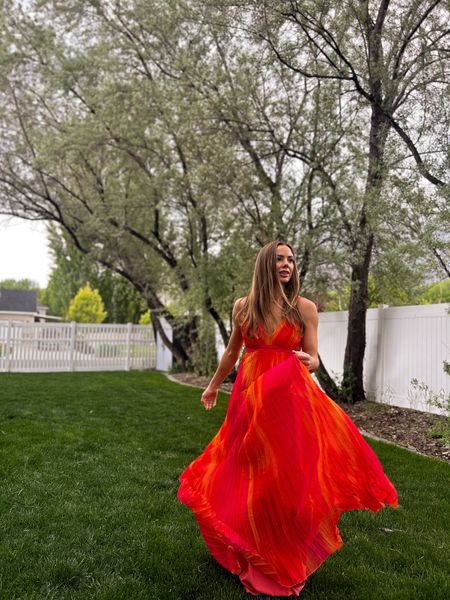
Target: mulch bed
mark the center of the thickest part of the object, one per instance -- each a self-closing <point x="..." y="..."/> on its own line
<point x="404" y="427"/>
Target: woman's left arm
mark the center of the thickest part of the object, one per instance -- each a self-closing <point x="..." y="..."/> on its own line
<point x="309" y="354"/>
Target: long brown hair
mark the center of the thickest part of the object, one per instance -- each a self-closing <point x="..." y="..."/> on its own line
<point x="266" y="288"/>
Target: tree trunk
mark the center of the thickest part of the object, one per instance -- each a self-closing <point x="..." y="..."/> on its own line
<point x="352" y="382"/>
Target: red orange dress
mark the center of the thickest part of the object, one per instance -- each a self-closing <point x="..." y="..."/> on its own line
<point x="268" y="490"/>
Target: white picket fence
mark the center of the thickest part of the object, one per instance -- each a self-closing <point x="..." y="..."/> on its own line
<point x="47" y="347"/>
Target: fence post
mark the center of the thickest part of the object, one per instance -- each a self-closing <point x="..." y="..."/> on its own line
<point x="73" y="332"/>
<point x="128" y="355"/>
<point x="380" y="350"/>
<point x="8" y="347"/>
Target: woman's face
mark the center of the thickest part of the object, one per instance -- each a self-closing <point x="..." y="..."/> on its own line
<point x="285" y="263"/>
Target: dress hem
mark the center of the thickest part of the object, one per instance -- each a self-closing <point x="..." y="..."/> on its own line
<point x="256" y="573"/>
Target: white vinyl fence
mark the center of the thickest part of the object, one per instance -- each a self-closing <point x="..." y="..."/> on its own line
<point x="404" y="344"/>
<point x="46" y="347"/>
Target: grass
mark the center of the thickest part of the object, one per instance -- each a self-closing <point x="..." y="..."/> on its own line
<point x="88" y="509"/>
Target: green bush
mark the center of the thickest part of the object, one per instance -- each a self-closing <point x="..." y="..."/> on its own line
<point x="87" y="306"/>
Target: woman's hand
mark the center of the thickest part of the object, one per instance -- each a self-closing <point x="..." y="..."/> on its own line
<point x="309" y="361"/>
<point x="209" y="398"/>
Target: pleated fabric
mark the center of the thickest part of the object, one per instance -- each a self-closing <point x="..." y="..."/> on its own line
<point x="268" y="490"/>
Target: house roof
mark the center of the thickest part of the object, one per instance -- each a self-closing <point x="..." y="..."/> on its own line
<point x="18" y="300"/>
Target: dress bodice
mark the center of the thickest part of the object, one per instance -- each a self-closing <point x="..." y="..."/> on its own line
<point x="285" y="337"/>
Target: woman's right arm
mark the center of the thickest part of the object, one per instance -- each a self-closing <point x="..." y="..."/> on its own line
<point x="227" y="362"/>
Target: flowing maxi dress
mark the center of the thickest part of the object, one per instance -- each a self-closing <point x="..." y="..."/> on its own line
<point x="268" y="490"/>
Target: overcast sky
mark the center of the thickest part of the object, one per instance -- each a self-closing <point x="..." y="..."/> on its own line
<point x="24" y="251"/>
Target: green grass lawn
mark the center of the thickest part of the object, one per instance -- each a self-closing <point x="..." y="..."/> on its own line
<point x="88" y="508"/>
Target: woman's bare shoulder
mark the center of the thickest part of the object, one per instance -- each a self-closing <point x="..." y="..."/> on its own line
<point x="307" y="307"/>
<point x="238" y="305"/>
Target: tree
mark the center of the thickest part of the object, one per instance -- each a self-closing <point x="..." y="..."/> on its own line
<point x="71" y="269"/>
<point x="19" y="284"/>
<point x="106" y="149"/>
<point x="136" y="160"/>
<point x="390" y="58"/>
<point x="436" y="293"/>
<point x="87" y="306"/>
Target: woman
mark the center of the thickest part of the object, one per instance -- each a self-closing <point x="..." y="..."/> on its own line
<point x="268" y="490"/>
